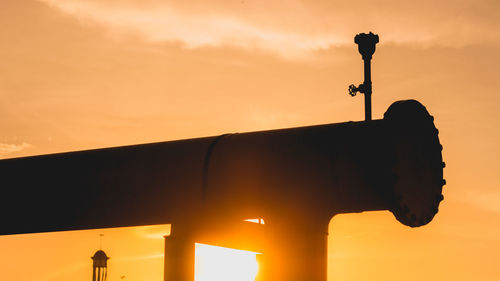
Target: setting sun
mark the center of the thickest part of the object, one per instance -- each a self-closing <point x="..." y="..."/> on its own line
<point x="224" y="264"/>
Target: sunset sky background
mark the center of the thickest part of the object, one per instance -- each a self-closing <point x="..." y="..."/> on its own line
<point x="78" y="74"/>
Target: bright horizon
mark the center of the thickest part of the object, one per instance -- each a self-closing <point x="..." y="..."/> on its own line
<point x="85" y="74"/>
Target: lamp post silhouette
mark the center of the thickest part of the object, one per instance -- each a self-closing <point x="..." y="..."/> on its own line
<point x="100" y="266"/>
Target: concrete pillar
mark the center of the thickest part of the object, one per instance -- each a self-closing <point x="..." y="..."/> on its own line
<point x="179" y="259"/>
<point x="295" y="255"/>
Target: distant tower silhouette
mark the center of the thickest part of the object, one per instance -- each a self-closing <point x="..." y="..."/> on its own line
<point x="100" y="265"/>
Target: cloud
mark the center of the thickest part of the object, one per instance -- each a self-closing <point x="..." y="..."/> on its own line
<point x="153" y="231"/>
<point x="164" y="23"/>
<point x="262" y="117"/>
<point x="141" y="257"/>
<point x="67" y="270"/>
<point x="289" y="28"/>
<point x="487" y="200"/>
<point x="6" y="148"/>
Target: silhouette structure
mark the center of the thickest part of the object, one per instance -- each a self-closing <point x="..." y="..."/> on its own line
<point x="296" y="179"/>
<point x="100" y="266"/>
<point x="366" y="47"/>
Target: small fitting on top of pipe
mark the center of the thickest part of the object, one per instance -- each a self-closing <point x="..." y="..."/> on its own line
<point x="366" y="47"/>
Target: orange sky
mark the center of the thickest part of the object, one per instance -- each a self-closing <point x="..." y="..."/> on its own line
<point x="81" y="74"/>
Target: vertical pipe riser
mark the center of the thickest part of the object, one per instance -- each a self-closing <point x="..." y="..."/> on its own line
<point x="368" y="90"/>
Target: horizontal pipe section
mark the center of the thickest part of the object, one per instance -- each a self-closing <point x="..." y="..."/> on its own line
<point x="124" y="186"/>
<point x="298" y="174"/>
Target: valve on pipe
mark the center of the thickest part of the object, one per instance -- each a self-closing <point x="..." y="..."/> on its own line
<point x="295" y="179"/>
<point x="366" y="47"/>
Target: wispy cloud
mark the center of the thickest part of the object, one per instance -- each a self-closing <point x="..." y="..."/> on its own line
<point x="153" y="231"/>
<point x="270" y="118"/>
<point x="141" y="257"/>
<point x="287" y="28"/>
<point x="6" y="148"/>
<point x="164" y="23"/>
<point x="68" y="270"/>
<point x="485" y="200"/>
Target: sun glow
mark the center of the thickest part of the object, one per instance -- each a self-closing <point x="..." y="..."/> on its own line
<point x="259" y="221"/>
<point x="224" y="264"/>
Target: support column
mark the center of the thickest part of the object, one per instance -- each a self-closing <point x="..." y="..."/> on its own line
<point x="295" y="256"/>
<point x="179" y="259"/>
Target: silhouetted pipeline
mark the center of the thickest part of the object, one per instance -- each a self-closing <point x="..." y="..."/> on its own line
<point x="295" y="179"/>
<point x="307" y="172"/>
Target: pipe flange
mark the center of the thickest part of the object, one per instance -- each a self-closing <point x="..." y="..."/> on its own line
<point x="418" y="163"/>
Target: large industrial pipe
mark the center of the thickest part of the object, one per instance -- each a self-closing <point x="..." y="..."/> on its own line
<point x="295" y="179"/>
